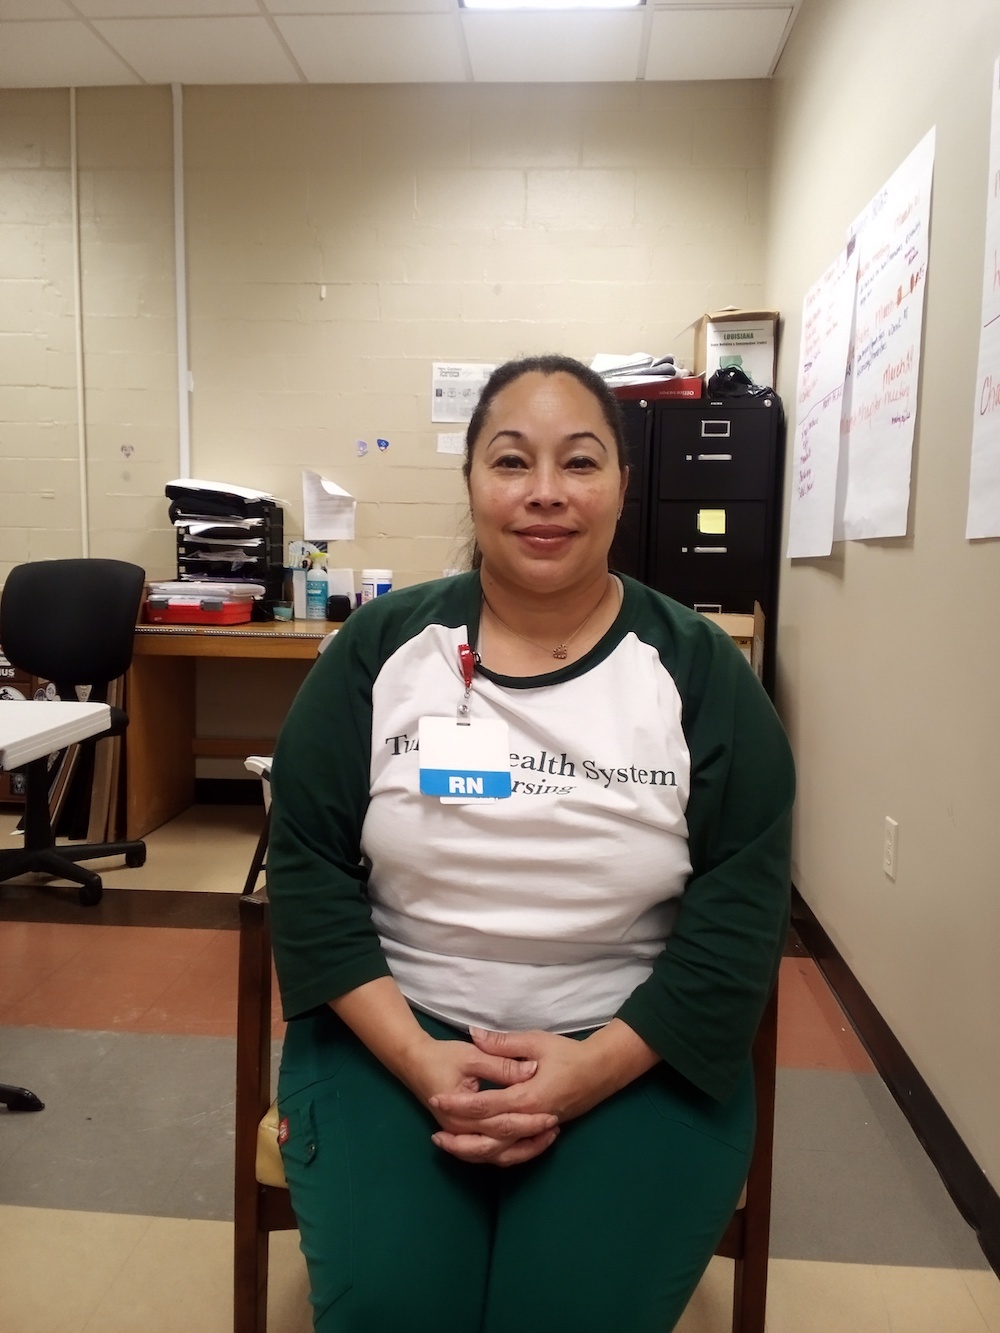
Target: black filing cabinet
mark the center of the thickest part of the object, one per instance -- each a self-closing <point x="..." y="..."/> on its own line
<point x="629" y="551"/>
<point x="702" y="514"/>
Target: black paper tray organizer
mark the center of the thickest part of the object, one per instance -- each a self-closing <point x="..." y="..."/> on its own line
<point x="229" y="536"/>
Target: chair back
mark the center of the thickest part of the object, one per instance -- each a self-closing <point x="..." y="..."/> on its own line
<point x="72" y="621"/>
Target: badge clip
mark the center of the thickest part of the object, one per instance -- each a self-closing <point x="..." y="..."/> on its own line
<point x="467" y="665"/>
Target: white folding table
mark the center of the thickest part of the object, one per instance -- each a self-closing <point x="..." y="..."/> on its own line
<point x="31" y="729"/>
<point x="28" y="731"/>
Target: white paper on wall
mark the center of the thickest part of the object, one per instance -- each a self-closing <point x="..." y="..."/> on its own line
<point x="327" y="509"/>
<point x="880" y="392"/>
<point x="827" y="321"/>
<point x="984" y="479"/>
<point x="451" y="442"/>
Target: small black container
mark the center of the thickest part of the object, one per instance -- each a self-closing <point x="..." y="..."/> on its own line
<point x="338" y="607"/>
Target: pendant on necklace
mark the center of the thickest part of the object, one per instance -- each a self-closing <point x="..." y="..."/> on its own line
<point x="560" y="651"/>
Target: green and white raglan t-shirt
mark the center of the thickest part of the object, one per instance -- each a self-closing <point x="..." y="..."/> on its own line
<point x="639" y="867"/>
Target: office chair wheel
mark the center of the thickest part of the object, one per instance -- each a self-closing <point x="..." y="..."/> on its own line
<point x="136" y="858"/>
<point x="91" y="894"/>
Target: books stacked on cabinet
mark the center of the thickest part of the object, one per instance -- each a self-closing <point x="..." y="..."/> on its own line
<point x="229" y="535"/>
<point x="640" y="375"/>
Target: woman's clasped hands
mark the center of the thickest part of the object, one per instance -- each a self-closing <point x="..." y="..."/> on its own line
<point x="541" y="1080"/>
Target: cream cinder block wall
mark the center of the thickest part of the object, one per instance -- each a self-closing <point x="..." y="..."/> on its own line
<point x="888" y="650"/>
<point x="125" y="147"/>
<point x="127" y="322"/>
<point x="341" y="239"/>
<point x="40" y="491"/>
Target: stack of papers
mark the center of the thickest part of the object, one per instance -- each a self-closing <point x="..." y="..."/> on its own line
<point x="193" y="590"/>
<point x="193" y="499"/>
<point x="632" y="367"/>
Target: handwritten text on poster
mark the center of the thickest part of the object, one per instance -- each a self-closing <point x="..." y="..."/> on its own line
<point x="880" y="395"/>
<point x="827" y="312"/>
<point x="984" y="481"/>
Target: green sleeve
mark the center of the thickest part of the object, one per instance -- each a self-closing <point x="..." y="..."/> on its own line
<point x="323" y="938"/>
<point x="700" y="1007"/>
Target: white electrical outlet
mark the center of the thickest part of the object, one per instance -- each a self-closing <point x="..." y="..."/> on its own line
<point x="889" y="847"/>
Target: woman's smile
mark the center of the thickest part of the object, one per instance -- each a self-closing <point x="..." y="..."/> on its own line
<point x="544" y="536"/>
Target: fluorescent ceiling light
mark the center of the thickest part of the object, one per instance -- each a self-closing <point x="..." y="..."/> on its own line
<point x="551" y="4"/>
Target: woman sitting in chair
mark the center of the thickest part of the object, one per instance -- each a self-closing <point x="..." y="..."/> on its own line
<point x="529" y="877"/>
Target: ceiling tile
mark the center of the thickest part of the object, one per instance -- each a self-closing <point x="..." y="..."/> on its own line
<point x="35" y="9"/>
<point x="520" y="47"/>
<point x="57" y="55"/>
<point x="369" y="48"/>
<point x="361" y="6"/>
<point x="164" y="9"/>
<point x="200" y="50"/>
<point x="740" y="43"/>
<point x="711" y="4"/>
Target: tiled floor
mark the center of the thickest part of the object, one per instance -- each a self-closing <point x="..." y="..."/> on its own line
<point x="115" y="1200"/>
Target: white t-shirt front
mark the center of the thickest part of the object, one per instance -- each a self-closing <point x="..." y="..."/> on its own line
<point x="546" y="909"/>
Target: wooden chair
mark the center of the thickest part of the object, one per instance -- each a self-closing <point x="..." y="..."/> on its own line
<point x="260" y="1206"/>
<point x="262" y="1202"/>
<point x="748" y="1235"/>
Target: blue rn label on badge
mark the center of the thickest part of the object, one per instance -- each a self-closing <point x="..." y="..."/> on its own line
<point x="443" y="782"/>
<point x="467" y="761"/>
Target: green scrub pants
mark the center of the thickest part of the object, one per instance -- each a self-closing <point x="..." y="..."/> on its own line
<point x="608" y="1231"/>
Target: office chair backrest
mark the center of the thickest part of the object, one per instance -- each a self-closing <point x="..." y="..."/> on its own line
<point x="71" y="621"/>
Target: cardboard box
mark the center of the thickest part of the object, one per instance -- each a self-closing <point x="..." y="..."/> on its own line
<point x="744" y="338"/>
<point x="747" y="632"/>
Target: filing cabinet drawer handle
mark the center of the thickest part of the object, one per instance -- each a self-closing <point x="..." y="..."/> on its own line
<point x="716" y="429"/>
<point x="713" y="458"/>
<point x="711" y="550"/>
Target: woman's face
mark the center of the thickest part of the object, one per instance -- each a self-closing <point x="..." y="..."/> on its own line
<point x="545" y="484"/>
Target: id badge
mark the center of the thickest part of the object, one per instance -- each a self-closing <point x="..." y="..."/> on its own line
<point x="464" y="761"/>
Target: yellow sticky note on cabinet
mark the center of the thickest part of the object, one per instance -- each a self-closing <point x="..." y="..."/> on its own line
<point x="712" y="521"/>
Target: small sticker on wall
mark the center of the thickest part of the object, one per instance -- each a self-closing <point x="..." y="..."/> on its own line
<point x="382" y="445"/>
<point x="362" y="448"/>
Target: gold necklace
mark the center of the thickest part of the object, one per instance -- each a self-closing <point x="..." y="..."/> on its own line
<point x="561" y="650"/>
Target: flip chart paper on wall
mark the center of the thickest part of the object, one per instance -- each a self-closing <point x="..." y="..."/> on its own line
<point x="984" y="479"/>
<point x="827" y="319"/>
<point x="880" y="393"/>
<point x="327" y="509"/>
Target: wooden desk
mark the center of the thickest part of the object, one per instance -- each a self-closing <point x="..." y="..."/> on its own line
<point x="161" y="745"/>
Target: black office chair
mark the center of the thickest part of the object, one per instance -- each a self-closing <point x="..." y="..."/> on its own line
<point x="71" y="622"/>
